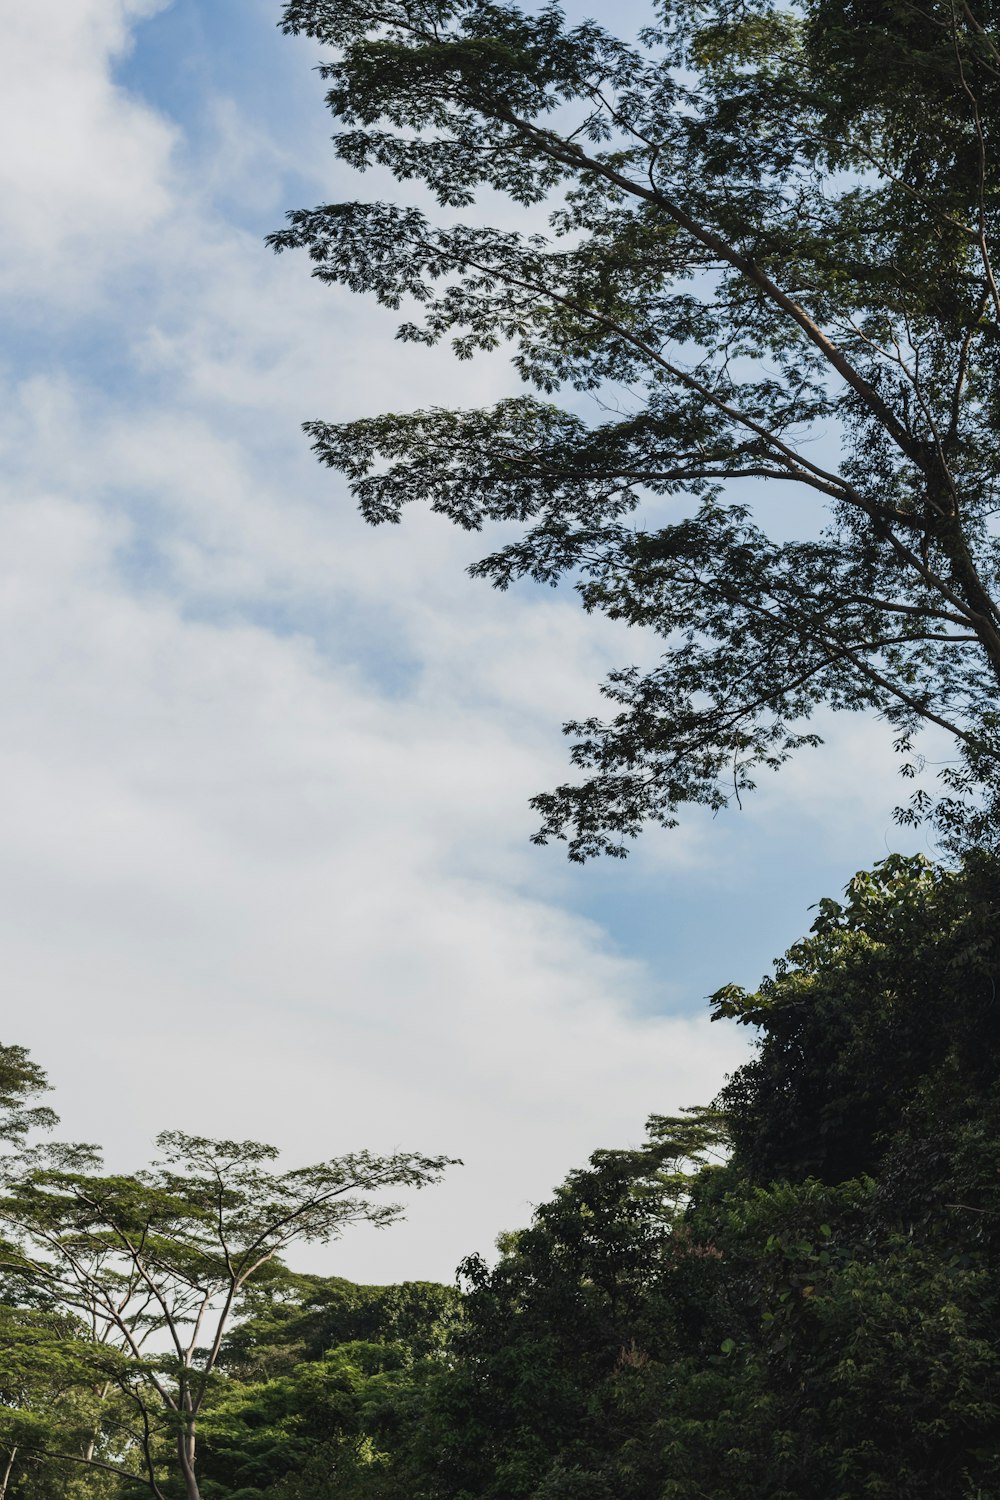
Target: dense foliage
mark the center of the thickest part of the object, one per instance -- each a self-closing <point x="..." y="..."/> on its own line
<point x="766" y="263"/>
<point x="813" y="1319"/>
<point x="118" y="1291"/>
<point x="793" y="1293"/>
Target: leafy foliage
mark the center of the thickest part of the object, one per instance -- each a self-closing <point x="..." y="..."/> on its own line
<point x="792" y="1293"/>
<point x="814" y="1316"/>
<point x="890" y="994"/>
<point x="152" y="1269"/>
<point x="304" y="1317"/>
<point x="323" y="1374"/>
<point x="770" y="258"/>
<point x="21" y="1081"/>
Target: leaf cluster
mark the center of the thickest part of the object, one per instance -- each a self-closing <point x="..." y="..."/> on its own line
<point x="769" y="257"/>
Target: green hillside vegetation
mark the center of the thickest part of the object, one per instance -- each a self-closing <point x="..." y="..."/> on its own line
<point x="791" y="1293"/>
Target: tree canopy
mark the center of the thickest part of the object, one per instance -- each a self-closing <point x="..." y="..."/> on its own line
<point x="768" y="262"/>
<point x="791" y="1292"/>
<point x="812" y="1318"/>
<point x="141" y="1278"/>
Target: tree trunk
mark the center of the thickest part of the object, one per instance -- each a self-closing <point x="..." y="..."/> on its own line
<point x="8" y="1469"/>
<point x="186" y="1458"/>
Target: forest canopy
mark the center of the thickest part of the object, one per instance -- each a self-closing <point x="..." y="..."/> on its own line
<point x="790" y="1292"/>
<point x="765" y="262"/>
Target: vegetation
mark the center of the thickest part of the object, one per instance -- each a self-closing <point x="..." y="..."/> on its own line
<point x="121" y="1290"/>
<point x="791" y="1293"/>
<point x="770" y="258"/>
<point x="769" y="265"/>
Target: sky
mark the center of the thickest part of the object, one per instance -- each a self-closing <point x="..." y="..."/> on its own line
<point x="265" y="868"/>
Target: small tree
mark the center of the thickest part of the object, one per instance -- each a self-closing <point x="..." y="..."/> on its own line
<point x="165" y="1258"/>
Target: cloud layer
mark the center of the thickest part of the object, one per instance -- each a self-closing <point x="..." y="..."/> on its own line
<point x="263" y="773"/>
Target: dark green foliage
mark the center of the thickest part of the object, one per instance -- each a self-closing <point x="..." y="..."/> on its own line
<point x="770" y="254"/>
<point x="553" y="1353"/>
<point x="857" y="1361"/>
<point x="748" y="1329"/>
<point x="312" y="1315"/>
<point x="891" y="995"/>
<point x="320" y="1379"/>
<point x="793" y="1294"/>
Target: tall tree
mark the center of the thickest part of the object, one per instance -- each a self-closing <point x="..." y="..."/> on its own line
<point x="771" y="260"/>
<point x="152" y="1269"/>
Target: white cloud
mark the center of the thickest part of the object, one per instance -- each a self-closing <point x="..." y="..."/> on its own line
<point x="84" y="174"/>
<point x="245" y="894"/>
<point x="263" y="772"/>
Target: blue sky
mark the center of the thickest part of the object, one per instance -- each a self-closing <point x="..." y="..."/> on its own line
<point x="182" y="61"/>
<point x="265" y="772"/>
